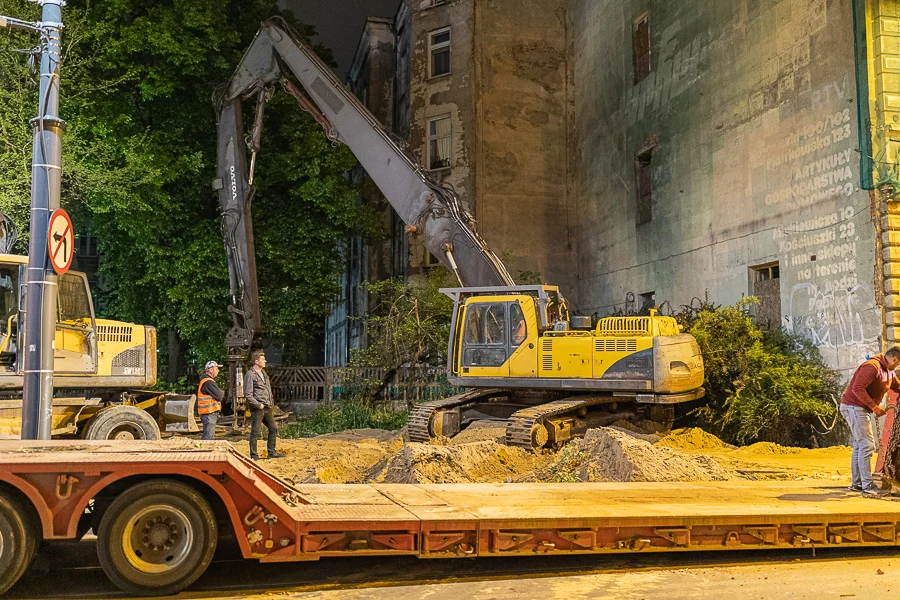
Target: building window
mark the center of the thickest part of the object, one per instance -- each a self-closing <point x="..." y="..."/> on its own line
<point x="648" y="301"/>
<point x="439" y="143"/>
<point x="765" y="272"/>
<point x="439" y="50"/>
<point x="644" y="187"/>
<point x="86" y="246"/>
<point x="641" y="47"/>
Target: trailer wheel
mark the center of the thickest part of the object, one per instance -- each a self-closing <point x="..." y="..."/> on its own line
<point x="157" y="538"/>
<point x="123" y="423"/>
<point x="18" y="541"/>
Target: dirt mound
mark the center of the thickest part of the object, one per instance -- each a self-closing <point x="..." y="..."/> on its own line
<point x="767" y="449"/>
<point x="476" y="462"/>
<point x="326" y="460"/>
<point x="480" y="431"/>
<point x="357" y="435"/>
<point x="693" y="439"/>
<point x="606" y="454"/>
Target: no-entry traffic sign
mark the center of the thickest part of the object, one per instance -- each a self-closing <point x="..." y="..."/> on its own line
<point x="61" y="241"/>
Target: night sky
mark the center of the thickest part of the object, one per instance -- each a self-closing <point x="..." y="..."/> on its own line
<point x="340" y="22"/>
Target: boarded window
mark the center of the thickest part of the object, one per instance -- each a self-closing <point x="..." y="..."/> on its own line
<point x="641" y="47"/>
<point x="439" y="143"/>
<point x="644" y="187"/>
<point x="439" y="49"/>
<point x="766" y="286"/>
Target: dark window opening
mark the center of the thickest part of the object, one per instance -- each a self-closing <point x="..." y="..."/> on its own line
<point x="641" y="48"/>
<point x="644" y="187"/>
<point x="648" y="301"/>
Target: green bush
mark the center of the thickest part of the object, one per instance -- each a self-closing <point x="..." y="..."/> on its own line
<point x="762" y="385"/>
<point x="350" y="414"/>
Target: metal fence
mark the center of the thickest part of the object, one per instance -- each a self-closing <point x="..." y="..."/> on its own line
<point x="303" y="388"/>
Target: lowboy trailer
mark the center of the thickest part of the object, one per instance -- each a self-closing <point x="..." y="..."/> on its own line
<point x="159" y="509"/>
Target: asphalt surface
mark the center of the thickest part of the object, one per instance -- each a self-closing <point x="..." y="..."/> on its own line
<point x="71" y="570"/>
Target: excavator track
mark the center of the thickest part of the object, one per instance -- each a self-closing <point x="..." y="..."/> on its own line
<point x="419" y="428"/>
<point x="522" y="430"/>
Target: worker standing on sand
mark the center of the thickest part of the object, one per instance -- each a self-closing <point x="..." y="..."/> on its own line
<point x="867" y="387"/>
<point x="258" y="391"/>
<point x="209" y="400"/>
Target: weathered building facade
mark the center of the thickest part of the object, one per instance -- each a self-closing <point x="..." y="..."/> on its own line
<point x="371" y="79"/>
<point x="482" y="92"/>
<point x="719" y="150"/>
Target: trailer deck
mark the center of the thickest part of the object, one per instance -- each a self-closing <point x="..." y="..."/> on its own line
<point x="275" y="521"/>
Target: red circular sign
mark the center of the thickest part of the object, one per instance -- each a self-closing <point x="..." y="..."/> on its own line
<point x="60" y="241"/>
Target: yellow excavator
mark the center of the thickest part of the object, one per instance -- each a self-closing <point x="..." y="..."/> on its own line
<point x="102" y="368"/>
<point x="546" y="374"/>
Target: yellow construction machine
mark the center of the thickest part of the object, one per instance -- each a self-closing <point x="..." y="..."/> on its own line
<point x="102" y="368"/>
<point x="546" y="374"/>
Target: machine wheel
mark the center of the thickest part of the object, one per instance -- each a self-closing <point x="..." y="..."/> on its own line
<point x="157" y="538"/>
<point x="123" y="423"/>
<point x="18" y="541"/>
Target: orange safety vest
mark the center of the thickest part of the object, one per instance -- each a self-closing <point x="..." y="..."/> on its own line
<point x="206" y="404"/>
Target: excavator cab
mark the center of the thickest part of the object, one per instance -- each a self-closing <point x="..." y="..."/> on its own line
<point x="523" y="337"/>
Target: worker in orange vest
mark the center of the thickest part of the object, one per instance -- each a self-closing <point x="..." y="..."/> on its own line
<point x="209" y="400"/>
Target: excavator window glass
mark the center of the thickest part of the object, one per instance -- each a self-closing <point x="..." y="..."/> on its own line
<point x="74" y="304"/>
<point x="518" y="329"/>
<point x="9" y="294"/>
<point x="484" y="339"/>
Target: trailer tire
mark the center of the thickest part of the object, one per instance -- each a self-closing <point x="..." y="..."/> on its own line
<point x="157" y="538"/>
<point x="123" y="422"/>
<point x="18" y="541"/>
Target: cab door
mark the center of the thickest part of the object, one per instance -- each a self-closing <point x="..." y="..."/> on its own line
<point x="485" y="340"/>
<point x="75" y="349"/>
<point x="523" y="360"/>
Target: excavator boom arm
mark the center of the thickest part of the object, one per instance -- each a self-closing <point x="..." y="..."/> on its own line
<point x="430" y="210"/>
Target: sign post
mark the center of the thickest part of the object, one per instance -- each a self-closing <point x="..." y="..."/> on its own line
<point x="41" y="279"/>
<point x="60" y="241"/>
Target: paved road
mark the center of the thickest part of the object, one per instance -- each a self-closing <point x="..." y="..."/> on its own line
<point x="70" y="570"/>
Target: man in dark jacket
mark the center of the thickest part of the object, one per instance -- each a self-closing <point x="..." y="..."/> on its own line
<point x="209" y="400"/>
<point x="258" y="391"/>
<point x="863" y="396"/>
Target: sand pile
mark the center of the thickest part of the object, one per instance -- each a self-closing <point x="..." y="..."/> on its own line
<point x="622" y="452"/>
<point x="476" y="462"/>
<point x="693" y="439"/>
<point x="343" y="459"/>
<point x="480" y="431"/>
<point x="761" y="449"/>
<point x="608" y="454"/>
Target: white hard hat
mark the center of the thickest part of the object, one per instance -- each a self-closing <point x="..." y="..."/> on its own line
<point x="212" y="364"/>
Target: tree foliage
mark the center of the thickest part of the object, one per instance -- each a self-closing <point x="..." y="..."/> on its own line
<point x="408" y="324"/>
<point x="762" y="385"/>
<point x="139" y="155"/>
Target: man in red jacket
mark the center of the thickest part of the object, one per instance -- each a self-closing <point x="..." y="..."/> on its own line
<point x="863" y="396"/>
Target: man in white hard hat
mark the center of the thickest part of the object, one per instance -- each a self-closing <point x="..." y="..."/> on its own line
<point x="209" y="400"/>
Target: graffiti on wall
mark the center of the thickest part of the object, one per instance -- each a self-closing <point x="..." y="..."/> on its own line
<point x="842" y="322"/>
